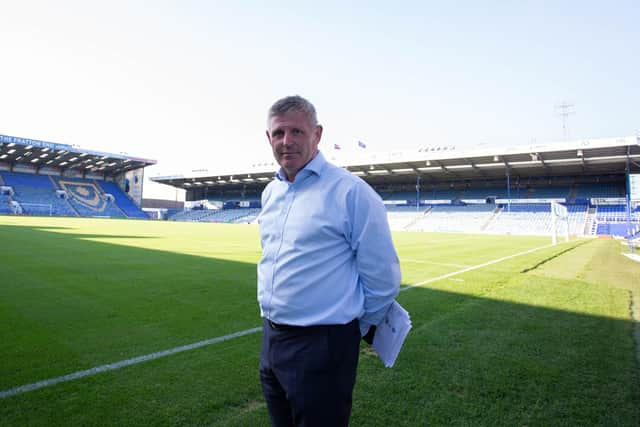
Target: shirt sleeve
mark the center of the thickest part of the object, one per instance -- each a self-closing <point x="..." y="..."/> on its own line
<point x="376" y="258"/>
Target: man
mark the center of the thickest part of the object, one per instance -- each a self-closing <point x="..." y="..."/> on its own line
<point x="328" y="274"/>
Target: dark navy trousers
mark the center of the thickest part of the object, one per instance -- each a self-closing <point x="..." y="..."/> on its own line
<point x="308" y="373"/>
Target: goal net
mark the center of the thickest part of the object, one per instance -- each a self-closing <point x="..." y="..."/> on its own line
<point x="559" y="215"/>
<point x="43" y="209"/>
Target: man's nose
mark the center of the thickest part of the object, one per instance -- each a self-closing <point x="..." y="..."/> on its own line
<point x="288" y="138"/>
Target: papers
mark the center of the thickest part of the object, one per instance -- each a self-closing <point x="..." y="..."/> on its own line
<point x="391" y="333"/>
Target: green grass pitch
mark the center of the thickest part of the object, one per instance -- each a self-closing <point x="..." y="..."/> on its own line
<point x="544" y="338"/>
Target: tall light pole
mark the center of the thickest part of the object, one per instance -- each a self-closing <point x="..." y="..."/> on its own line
<point x="564" y="111"/>
<point x="418" y="194"/>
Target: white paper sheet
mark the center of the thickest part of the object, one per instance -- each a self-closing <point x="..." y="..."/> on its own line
<point x="391" y="333"/>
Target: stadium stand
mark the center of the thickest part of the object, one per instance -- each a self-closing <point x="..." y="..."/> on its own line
<point x="439" y="194"/>
<point x="577" y="218"/>
<point x="510" y="187"/>
<point x="401" y="217"/>
<point x="451" y="218"/>
<point x="617" y="229"/>
<point x="485" y="211"/>
<point x="600" y="190"/>
<point x="64" y="196"/>
<point x="615" y="220"/>
<point x="551" y="192"/>
<point x="5" y="206"/>
<point x="194" y="215"/>
<point x="506" y="190"/>
<point x="525" y="219"/>
<point x="613" y="213"/>
<point x="235" y="215"/>
<point x="483" y="193"/>
<point x="36" y="194"/>
<point x="517" y="192"/>
<point x="87" y="199"/>
<point x="122" y="200"/>
<point x="39" y="173"/>
<point x="249" y="215"/>
<point x="519" y="217"/>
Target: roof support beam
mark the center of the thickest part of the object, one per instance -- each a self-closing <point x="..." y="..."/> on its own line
<point x="476" y="168"/>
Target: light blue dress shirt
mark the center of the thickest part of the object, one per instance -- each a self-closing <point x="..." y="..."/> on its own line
<point x="327" y="253"/>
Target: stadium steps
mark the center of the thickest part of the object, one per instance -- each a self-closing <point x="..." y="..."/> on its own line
<point x="413" y="222"/>
<point x="115" y="204"/>
<point x="205" y="215"/>
<point x="123" y="201"/>
<point x="194" y="215"/>
<point x="57" y="187"/>
<point x="589" y="223"/>
<point x="248" y="217"/>
<point x="5" y="204"/>
<point x="492" y="218"/>
<point x="5" y="200"/>
<point x="117" y="207"/>
<point x="573" y="192"/>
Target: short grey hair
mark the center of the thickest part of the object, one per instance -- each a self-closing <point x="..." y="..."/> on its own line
<point x="293" y="103"/>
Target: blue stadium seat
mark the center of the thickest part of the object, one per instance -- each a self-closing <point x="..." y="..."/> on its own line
<point x="122" y="199"/>
<point x="87" y="198"/>
<point x="36" y="194"/>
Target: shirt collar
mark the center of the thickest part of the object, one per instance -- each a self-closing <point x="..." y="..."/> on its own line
<point x="314" y="166"/>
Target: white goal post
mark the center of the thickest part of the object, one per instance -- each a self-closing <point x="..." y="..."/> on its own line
<point x="37" y="209"/>
<point x="559" y="212"/>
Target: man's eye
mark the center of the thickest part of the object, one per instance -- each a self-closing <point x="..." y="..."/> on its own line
<point x="296" y="131"/>
<point x="276" y="134"/>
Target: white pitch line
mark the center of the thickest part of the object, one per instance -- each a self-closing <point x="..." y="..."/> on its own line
<point x="128" y="362"/>
<point x="123" y="363"/>
<point x="419" y="261"/>
<point x="473" y="267"/>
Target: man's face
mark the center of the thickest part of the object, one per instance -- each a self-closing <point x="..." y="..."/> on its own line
<point x="294" y="141"/>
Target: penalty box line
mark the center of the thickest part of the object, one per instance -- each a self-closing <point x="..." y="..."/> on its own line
<point x="473" y="267"/>
<point x="123" y="363"/>
<point x="152" y="356"/>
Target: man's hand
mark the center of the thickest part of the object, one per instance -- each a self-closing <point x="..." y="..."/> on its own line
<point x="368" y="338"/>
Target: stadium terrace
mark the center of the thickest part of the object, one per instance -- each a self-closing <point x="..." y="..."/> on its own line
<point x="444" y="165"/>
<point x="47" y="178"/>
<point x="507" y="190"/>
<point x="443" y="188"/>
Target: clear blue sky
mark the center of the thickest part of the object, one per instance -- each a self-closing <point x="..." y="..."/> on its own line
<point x="140" y="76"/>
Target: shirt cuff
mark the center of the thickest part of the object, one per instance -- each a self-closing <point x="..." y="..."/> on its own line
<point x="371" y="319"/>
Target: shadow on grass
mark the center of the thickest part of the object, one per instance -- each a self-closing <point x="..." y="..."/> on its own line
<point x="508" y="359"/>
<point x="67" y="303"/>
<point x="512" y="357"/>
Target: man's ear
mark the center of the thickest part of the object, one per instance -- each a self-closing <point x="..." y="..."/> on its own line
<point x="318" y="132"/>
<point x="268" y="136"/>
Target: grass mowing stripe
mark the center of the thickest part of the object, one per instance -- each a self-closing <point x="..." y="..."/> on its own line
<point x="123" y="363"/>
<point x="474" y="267"/>
<point x="152" y="356"/>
